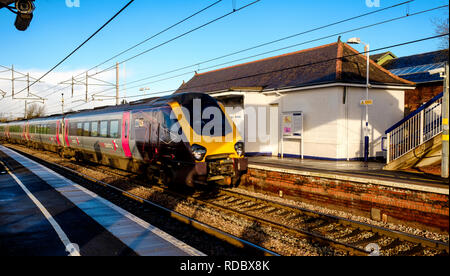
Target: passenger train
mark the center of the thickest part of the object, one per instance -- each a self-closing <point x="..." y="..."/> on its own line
<point x="161" y="137"/>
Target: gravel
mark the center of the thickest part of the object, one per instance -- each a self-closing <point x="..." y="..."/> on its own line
<point x="266" y="237"/>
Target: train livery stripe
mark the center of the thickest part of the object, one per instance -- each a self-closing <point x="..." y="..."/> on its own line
<point x="57" y="132"/>
<point x="66" y="133"/>
<point x="126" y="134"/>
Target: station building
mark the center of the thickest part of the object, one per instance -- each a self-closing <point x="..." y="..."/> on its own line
<point x="324" y="86"/>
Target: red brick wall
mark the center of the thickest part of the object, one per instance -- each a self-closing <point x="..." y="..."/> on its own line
<point x="422" y="94"/>
<point x="413" y="208"/>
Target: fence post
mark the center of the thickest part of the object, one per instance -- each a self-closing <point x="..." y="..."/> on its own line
<point x="388" y="148"/>
<point x="422" y="126"/>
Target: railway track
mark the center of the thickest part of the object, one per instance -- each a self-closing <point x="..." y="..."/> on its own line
<point x="136" y="205"/>
<point x="342" y="231"/>
<point x="343" y="235"/>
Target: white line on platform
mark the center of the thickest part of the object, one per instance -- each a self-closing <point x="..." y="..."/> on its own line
<point x="62" y="236"/>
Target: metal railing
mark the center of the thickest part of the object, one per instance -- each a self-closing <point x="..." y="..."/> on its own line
<point x="418" y="128"/>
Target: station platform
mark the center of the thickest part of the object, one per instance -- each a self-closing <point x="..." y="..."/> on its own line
<point x="371" y="171"/>
<point x="44" y="214"/>
<point x="358" y="188"/>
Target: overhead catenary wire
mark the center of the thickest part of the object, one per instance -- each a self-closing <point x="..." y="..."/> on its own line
<point x="279" y="49"/>
<point x="81" y="45"/>
<point x="287" y="68"/>
<point x="302" y="65"/>
<point x="152" y="37"/>
<point x="143" y="42"/>
<point x="230" y="62"/>
<point x="178" y="37"/>
<point x="278" y="40"/>
<point x="181" y="35"/>
<point x="224" y="56"/>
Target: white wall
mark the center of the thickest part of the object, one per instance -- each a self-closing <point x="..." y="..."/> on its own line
<point x="333" y="121"/>
<point x="321" y="110"/>
<point x="387" y="109"/>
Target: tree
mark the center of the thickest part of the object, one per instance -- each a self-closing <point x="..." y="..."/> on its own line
<point x="441" y="27"/>
<point x="35" y="111"/>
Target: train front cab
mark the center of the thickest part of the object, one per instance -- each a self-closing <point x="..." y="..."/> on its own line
<point x="218" y="159"/>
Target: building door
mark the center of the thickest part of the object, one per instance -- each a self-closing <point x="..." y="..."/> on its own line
<point x="238" y="117"/>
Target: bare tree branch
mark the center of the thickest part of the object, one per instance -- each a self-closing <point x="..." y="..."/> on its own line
<point x="441" y="27"/>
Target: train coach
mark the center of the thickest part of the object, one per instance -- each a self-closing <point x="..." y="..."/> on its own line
<point x="163" y="138"/>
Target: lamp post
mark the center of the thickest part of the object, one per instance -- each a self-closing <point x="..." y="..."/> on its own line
<point x="444" y="73"/>
<point x="367" y="130"/>
<point x="144" y="89"/>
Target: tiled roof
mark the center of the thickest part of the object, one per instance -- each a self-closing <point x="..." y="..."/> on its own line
<point x="332" y="63"/>
<point x="415" y="68"/>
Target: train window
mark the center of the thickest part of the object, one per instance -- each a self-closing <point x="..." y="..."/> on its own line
<point x="86" y="130"/>
<point x="80" y="129"/>
<point x="72" y="129"/>
<point x="94" y="129"/>
<point x="52" y="129"/>
<point x="114" y="129"/>
<point x="169" y="125"/>
<point x="206" y="104"/>
<point x="104" y="129"/>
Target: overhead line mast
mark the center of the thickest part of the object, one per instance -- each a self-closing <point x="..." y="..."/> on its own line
<point x="82" y="44"/>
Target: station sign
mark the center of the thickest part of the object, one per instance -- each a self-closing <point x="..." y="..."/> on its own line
<point x="367" y="102"/>
<point x="293" y="125"/>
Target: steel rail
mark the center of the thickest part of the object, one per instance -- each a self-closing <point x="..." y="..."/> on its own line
<point x="434" y="244"/>
<point x="350" y="248"/>
<point x="213" y="231"/>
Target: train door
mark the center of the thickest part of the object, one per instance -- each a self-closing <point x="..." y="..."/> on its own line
<point x="154" y="134"/>
<point x="126" y="134"/>
<point x="27" y="132"/>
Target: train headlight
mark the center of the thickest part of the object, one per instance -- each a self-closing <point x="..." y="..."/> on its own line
<point x="240" y="148"/>
<point x="198" y="152"/>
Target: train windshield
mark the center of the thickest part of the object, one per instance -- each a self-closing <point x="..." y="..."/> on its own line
<point x="205" y="115"/>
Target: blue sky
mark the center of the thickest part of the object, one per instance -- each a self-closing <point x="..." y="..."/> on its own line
<point x="56" y="30"/>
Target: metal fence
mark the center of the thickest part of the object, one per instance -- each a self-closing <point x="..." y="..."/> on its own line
<point x="416" y="129"/>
